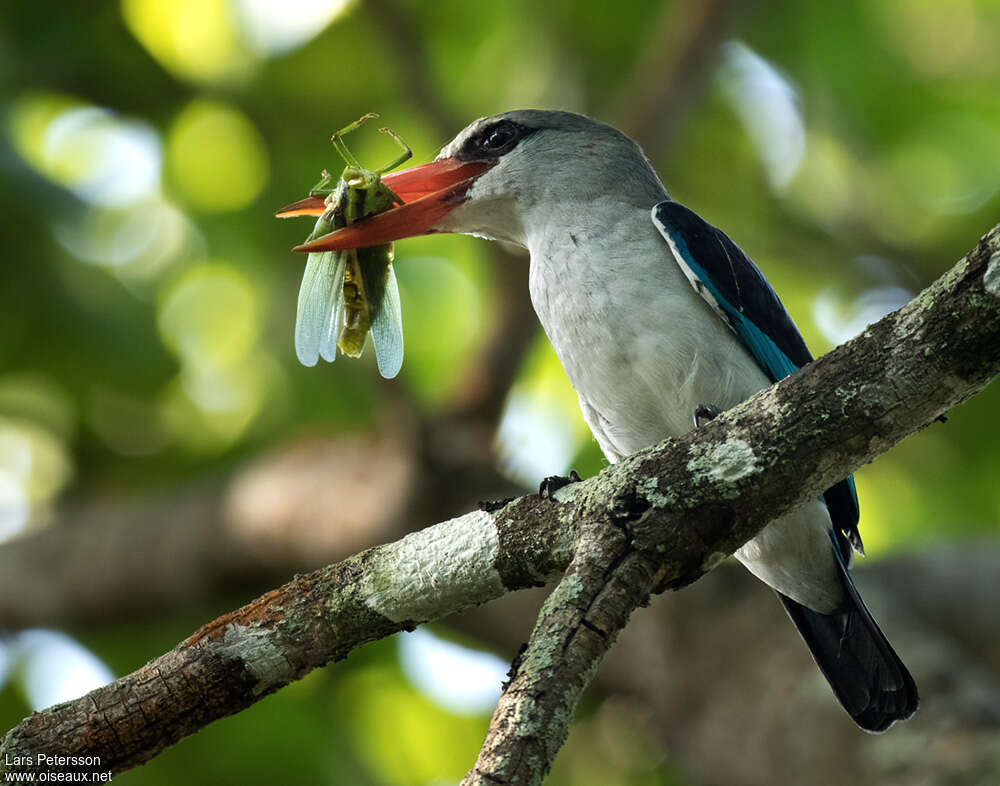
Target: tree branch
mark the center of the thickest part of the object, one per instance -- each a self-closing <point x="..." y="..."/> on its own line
<point x="242" y="656"/>
<point x="579" y="621"/>
<point x="662" y="517"/>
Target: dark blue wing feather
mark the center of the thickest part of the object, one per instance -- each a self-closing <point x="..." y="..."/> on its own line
<point x="737" y="290"/>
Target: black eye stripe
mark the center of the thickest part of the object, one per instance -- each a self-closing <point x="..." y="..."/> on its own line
<point x="494" y="140"/>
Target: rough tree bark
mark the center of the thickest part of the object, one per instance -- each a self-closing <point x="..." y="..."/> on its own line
<point x="661" y="518"/>
<point x="715" y="680"/>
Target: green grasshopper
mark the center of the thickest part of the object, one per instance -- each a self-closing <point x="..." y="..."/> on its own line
<point x="347" y="294"/>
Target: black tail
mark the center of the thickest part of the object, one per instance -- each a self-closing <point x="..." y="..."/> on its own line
<point x="867" y="676"/>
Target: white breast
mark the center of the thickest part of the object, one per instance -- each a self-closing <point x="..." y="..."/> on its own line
<point x="640" y="347"/>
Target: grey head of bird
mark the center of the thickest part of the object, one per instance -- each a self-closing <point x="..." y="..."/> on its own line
<point x="547" y="167"/>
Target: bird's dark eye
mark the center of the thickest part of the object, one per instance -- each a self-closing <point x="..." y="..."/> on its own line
<point x="494" y="140"/>
<point x="499" y="137"/>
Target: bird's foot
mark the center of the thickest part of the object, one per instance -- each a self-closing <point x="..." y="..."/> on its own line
<point x="553" y="483"/>
<point x="703" y="413"/>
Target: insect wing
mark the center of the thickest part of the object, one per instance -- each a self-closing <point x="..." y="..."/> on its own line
<point x="335" y="325"/>
<point x="319" y="309"/>
<point x="387" y="329"/>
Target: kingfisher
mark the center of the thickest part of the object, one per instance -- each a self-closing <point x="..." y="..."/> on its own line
<point x="660" y="321"/>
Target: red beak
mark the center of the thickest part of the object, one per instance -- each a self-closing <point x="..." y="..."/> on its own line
<point x="310" y="206"/>
<point x="429" y="192"/>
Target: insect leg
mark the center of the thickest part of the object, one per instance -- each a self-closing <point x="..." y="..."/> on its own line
<point x="338" y="143"/>
<point x="322" y="188"/>
<point x="407" y="152"/>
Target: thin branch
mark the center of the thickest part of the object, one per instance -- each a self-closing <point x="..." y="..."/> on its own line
<point x="577" y="625"/>
<point x="682" y="505"/>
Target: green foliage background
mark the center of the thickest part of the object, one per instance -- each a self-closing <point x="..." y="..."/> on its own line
<point x="148" y="345"/>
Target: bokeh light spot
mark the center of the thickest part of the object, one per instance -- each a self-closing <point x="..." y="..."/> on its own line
<point x="14" y="507"/>
<point x="38" y="398"/>
<point x="209" y="317"/>
<point x="104" y="159"/>
<point x="441" y="318"/>
<point x="30" y="115"/>
<point x="136" y="243"/>
<point x="402" y="736"/>
<point x="541" y="428"/>
<point x="5" y="664"/>
<point x="216" y="157"/>
<point x="767" y="104"/>
<point x="207" y="410"/>
<point x="841" y="321"/>
<point x="460" y="679"/>
<point x="954" y="39"/>
<point x="272" y="27"/>
<point x="55" y="667"/>
<point x="823" y="189"/>
<point x="34" y="467"/>
<point x="950" y="165"/>
<point x="193" y="39"/>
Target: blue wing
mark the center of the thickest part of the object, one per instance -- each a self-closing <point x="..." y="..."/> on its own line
<point x="736" y="289"/>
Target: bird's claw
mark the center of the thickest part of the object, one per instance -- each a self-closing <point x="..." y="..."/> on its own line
<point x="703" y="413"/>
<point x="553" y="483"/>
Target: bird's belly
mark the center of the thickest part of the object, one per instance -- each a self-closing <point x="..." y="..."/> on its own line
<point x="643" y="357"/>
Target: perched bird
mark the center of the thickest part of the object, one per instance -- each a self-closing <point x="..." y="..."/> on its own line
<point x="658" y="318"/>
